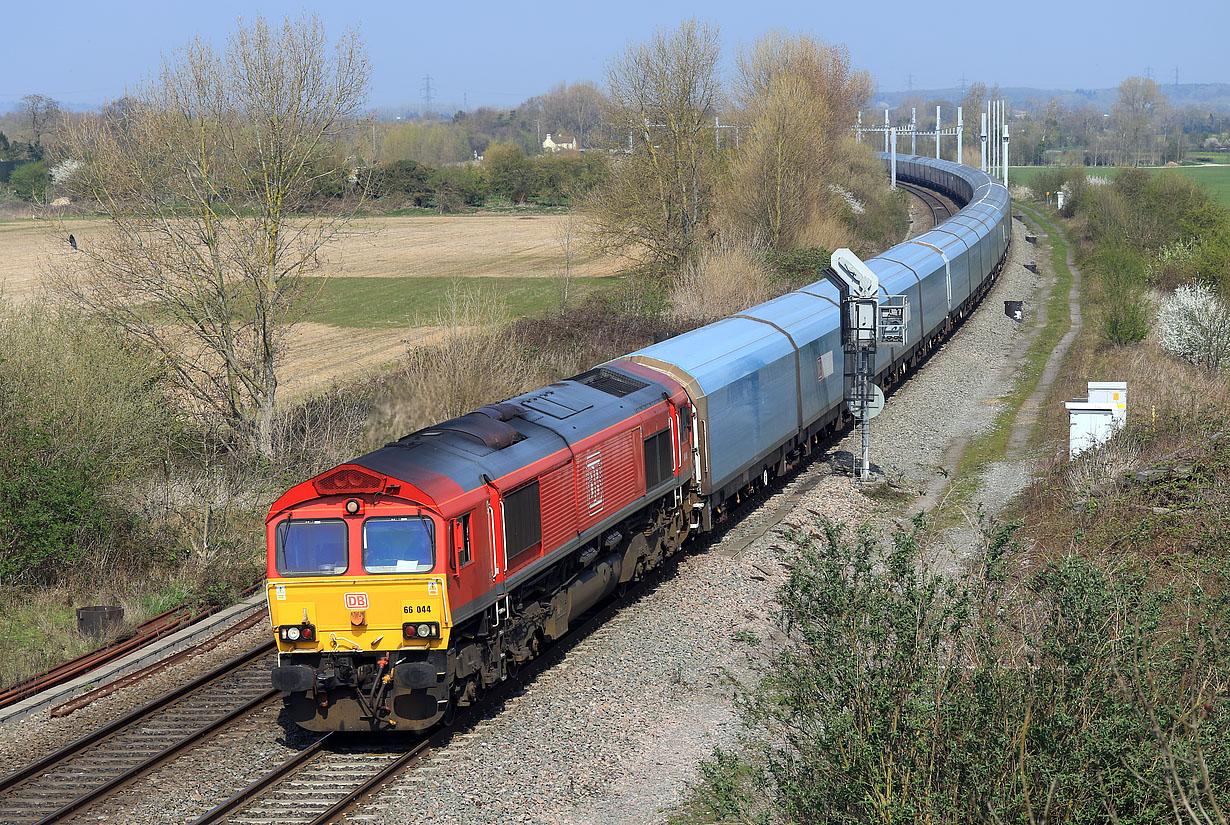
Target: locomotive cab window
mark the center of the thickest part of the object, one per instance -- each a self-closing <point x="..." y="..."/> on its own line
<point x="398" y="545"/>
<point x="308" y="547"/>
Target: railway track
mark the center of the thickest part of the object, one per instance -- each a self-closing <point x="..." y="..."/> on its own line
<point x="106" y="760"/>
<point x="940" y="209"/>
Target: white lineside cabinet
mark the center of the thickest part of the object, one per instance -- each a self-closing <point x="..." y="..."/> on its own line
<point x="1092" y="420"/>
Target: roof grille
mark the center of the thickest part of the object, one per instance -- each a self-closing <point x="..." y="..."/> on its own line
<point x="610" y="382"/>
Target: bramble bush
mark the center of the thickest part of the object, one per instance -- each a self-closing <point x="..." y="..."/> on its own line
<point x="46" y="506"/>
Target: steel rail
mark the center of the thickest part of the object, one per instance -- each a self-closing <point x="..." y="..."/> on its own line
<point x="84" y="742"/>
<point x="118" y="782"/>
<point x="930" y="199"/>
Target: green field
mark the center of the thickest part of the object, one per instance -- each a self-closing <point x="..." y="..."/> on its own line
<point x="1214" y="178"/>
<point x="388" y="303"/>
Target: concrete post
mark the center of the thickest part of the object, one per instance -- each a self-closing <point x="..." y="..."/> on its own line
<point x="1005" y="154"/>
<point x="983" y="135"/>
<point x="858" y="132"/>
<point x="960" y="128"/>
<point x="893" y="154"/>
<point x="937" y="132"/>
<point x="886" y="130"/>
<point x="995" y="138"/>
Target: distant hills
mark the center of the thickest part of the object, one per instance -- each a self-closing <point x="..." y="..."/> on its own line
<point x="1214" y="97"/>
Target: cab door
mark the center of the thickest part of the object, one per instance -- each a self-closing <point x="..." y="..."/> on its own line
<point x="476" y="570"/>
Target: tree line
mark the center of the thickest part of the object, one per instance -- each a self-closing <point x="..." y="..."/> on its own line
<point x="1140" y="128"/>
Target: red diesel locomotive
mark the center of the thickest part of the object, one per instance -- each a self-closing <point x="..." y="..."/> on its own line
<point x="403" y="584"/>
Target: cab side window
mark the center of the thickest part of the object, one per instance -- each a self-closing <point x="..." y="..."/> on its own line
<point x="464" y="554"/>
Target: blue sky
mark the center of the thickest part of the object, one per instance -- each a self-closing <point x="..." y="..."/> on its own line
<point x="499" y="53"/>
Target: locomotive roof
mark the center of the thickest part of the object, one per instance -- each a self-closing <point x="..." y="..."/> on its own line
<point x="501" y="438"/>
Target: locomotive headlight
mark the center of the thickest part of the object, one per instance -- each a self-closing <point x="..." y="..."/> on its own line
<point x="426" y="630"/>
<point x="353" y="506"/>
<point x="296" y="632"/>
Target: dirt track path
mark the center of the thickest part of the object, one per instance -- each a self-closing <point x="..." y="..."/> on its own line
<point x="1027" y="417"/>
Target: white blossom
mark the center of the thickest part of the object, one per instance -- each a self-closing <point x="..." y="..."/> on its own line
<point x="65" y="170"/>
<point x="1195" y="326"/>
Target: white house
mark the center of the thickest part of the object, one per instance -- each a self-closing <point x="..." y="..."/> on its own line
<point x="560" y="143"/>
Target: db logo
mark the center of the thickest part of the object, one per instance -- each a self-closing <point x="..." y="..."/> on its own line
<point x="356" y="601"/>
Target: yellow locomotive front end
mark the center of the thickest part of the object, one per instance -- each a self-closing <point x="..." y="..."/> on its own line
<point x="358" y="603"/>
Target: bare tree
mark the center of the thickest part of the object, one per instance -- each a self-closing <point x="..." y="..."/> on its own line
<point x="1136" y="115"/>
<point x="972" y="106"/>
<point x="565" y="232"/>
<point x="205" y="178"/>
<point x="797" y="97"/>
<point x="572" y="110"/>
<point x="41" y="113"/>
<point x="663" y="96"/>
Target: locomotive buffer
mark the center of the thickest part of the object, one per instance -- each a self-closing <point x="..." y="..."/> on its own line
<point x="865" y="323"/>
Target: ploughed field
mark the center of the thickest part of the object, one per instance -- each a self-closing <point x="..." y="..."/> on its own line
<point x="382" y="282"/>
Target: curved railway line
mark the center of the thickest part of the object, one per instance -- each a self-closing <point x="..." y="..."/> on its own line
<point x="940" y="209"/>
<point x="328" y="778"/>
<point x="316" y="785"/>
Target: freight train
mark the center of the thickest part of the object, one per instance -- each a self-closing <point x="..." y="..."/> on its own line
<point x="405" y="583"/>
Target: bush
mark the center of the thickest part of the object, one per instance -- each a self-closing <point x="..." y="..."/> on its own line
<point x="902" y="696"/>
<point x="508" y="171"/>
<point x="798" y="267"/>
<point x="1195" y="326"/>
<point x="455" y="186"/>
<point x="30" y="180"/>
<point x="402" y="179"/>
<point x="49" y="507"/>
<point x="728" y="276"/>
<point x="102" y="396"/>
<point x="81" y="411"/>
<point x="1048" y="181"/>
<point x="1126" y="320"/>
<point x="1121" y="272"/>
